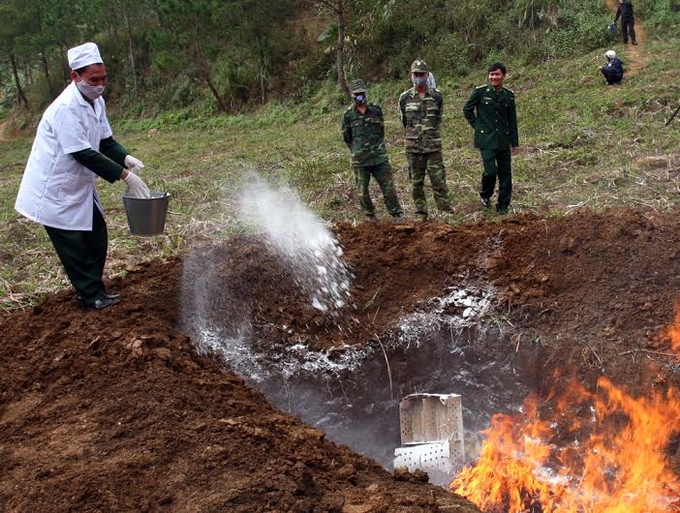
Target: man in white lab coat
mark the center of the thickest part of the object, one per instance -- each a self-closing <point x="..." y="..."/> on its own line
<point x="73" y="144"/>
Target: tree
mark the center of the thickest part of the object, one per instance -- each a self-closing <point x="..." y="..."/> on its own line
<point x="17" y="27"/>
<point x="188" y="30"/>
<point x="340" y="9"/>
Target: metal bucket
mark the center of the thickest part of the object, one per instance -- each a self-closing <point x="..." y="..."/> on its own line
<point x="146" y="216"/>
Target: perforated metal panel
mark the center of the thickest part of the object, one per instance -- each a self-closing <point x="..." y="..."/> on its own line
<point x="425" y="456"/>
<point x="431" y="433"/>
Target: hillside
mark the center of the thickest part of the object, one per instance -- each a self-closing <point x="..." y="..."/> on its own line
<point x="216" y="385"/>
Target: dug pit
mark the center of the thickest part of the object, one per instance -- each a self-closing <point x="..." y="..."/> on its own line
<point x="116" y="411"/>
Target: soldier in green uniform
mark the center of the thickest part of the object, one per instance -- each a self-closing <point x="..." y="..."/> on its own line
<point x="490" y="110"/>
<point x="363" y="130"/>
<point x="421" y="109"/>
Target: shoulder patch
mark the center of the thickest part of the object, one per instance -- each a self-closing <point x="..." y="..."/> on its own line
<point x="479" y="87"/>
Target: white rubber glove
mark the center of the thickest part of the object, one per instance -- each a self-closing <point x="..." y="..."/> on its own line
<point x="136" y="186"/>
<point x="133" y="164"/>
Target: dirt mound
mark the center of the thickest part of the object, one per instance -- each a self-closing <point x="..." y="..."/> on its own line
<point x="115" y="410"/>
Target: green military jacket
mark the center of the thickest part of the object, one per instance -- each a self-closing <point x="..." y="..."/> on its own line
<point x="421" y="118"/>
<point x="493" y="116"/>
<point x="364" y="135"/>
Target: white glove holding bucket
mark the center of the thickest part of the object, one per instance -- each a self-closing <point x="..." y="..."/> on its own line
<point x="136" y="186"/>
<point x="133" y="164"/>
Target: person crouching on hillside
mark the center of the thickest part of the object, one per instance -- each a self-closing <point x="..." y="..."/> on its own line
<point x="613" y="70"/>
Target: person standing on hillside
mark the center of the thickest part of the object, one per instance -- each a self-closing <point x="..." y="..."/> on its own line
<point x="421" y="109"/>
<point x="73" y="144"/>
<point x="624" y="10"/>
<point x="363" y="129"/>
<point x="491" y="111"/>
<point x="613" y="70"/>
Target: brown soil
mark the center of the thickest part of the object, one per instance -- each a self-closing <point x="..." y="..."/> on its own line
<point x="115" y="410"/>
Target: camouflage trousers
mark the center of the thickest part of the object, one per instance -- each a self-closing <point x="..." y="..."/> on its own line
<point x="383" y="175"/>
<point x="431" y="164"/>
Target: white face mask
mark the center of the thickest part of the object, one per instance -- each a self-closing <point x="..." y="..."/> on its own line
<point x="90" y="91"/>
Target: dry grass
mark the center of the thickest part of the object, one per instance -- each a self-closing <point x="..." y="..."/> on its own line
<point x="583" y="146"/>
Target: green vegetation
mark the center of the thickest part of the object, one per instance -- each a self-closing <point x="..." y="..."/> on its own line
<point x="194" y="59"/>
<point x="584" y="145"/>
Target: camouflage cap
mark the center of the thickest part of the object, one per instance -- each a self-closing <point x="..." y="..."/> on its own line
<point x="357" y="86"/>
<point x="419" y="66"/>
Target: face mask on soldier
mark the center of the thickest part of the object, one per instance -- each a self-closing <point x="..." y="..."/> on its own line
<point x="419" y="81"/>
<point x="360" y="98"/>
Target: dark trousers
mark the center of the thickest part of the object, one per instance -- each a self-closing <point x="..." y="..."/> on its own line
<point x="497" y="164"/>
<point x="611" y="77"/>
<point x="83" y="255"/>
<point x="383" y="175"/>
<point x="628" y="27"/>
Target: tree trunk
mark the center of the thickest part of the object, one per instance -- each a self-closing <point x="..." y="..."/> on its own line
<point x="263" y="98"/>
<point x="46" y="72"/>
<point x="220" y="101"/>
<point x="65" y="68"/>
<point x="264" y="69"/>
<point x="340" y="47"/>
<point x="21" y="97"/>
<point x="28" y="73"/>
<point x="131" y="53"/>
<point x="205" y="72"/>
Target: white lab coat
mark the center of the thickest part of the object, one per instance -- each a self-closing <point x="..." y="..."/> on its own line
<point x="56" y="190"/>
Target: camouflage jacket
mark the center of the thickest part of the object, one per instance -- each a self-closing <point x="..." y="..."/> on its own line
<point x="421" y="117"/>
<point x="364" y="135"/>
<point x="493" y="116"/>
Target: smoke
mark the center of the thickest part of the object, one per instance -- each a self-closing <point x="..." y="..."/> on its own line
<point x="353" y="395"/>
<point x="303" y="243"/>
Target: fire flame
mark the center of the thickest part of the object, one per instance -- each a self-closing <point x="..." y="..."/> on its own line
<point x="614" y="461"/>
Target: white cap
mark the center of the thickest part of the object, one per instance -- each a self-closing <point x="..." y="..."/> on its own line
<point x="610" y="54"/>
<point x="84" y="55"/>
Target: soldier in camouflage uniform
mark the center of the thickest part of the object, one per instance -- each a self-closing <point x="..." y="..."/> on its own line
<point x="421" y="109"/>
<point x="490" y="110"/>
<point x="363" y="130"/>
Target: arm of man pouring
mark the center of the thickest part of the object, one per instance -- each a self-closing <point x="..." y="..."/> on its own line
<point x="109" y="163"/>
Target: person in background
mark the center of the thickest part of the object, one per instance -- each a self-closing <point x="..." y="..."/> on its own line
<point x="431" y="83"/>
<point x="624" y="10"/>
<point x="363" y="130"/>
<point x="490" y="110"/>
<point x="73" y="144"/>
<point x="613" y="70"/>
<point x="421" y="109"/>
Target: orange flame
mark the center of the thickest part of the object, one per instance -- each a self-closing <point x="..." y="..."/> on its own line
<point x="612" y="462"/>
